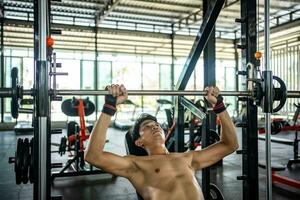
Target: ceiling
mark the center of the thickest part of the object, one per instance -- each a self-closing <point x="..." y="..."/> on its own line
<point x="137" y="26"/>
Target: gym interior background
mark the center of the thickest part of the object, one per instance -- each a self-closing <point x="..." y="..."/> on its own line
<point x="144" y="44"/>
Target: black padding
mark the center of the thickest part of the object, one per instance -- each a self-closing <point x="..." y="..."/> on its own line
<point x="139" y="196"/>
<point x="72" y="128"/>
<point x="131" y="148"/>
<point x="69" y="109"/>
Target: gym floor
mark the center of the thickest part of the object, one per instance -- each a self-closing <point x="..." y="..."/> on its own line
<point x="103" y="186"/>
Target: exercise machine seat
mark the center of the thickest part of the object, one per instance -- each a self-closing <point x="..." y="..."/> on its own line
<point x="132" y="149"/>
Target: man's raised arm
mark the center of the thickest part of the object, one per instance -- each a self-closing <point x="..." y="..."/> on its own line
<point x="94" y="154"/>
<point x="228" y="142"/>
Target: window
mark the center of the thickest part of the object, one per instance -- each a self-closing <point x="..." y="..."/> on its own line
<point x="129" y="74"/>
<point x="150" y="79"/>
<point x="87" y="75"/>
<point x="104" y="79"/>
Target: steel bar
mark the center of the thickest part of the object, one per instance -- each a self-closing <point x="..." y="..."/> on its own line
<point x="150" y="92"/>
<point x="267" y="108"/>
<point x="42" y="137"/>
<point x="7" y="92"/>
<point x="268" y="90"/>
<point x="293" y="94"/>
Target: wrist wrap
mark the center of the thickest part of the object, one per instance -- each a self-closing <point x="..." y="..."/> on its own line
<point x="110" y="105"/>
<point x="219" y="107"/>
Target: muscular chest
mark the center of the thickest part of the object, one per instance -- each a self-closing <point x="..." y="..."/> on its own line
<point x="165" y="170"/>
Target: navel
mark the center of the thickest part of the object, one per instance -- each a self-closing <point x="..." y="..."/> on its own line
<point x="157" y="170"/>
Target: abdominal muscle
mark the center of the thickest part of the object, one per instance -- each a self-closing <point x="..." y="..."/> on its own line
<point x="179" y="192"/>
<point x="181" y="188"/>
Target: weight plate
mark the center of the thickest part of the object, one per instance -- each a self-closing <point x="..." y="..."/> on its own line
<point x="14" y="99"/>
<point x="25" y="161"/>
<point x="215" y="192"/>
<point x="31" y="164"/>
<point x="18" y="161"/>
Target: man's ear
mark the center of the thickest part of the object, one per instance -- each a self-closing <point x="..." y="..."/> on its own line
<point x="139" y="143"/>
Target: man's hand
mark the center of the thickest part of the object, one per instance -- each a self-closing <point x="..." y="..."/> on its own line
<point x="118" y="91"/>
<point x="211" y="94"/>
<point x="213" y="97"/>
<point x="116" y="94"/>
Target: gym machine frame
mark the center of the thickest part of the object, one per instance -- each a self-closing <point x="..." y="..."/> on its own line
<point x="249" y="149"/>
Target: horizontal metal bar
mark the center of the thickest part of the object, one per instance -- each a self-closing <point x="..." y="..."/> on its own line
<point x="150" y="92"/>
<point x="293" y="94"/>
<point x="7" y="92"/>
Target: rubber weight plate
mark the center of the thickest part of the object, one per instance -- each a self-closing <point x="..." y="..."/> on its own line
<point x="215" y="192"/>
<point x="31" y="164"/>
<point x="18" y="161"/>
<point x="25" y="163"/>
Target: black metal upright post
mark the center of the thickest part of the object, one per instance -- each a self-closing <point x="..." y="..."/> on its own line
<point x="236" y="61"/>
<point x="209" y="56"/>
<point x="206" y="171"/>
<point x="250" y="138"/>
<point x="2" y="58"/>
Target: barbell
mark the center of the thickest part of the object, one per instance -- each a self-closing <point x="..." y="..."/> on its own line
<point x="7" y="92"/>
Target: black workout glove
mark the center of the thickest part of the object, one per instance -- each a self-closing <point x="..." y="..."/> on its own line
<point x="219" y="107"/>
<point x="110" y="105"/>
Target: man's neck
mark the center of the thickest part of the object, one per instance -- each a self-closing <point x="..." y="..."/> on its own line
<point x="161" y="150"/>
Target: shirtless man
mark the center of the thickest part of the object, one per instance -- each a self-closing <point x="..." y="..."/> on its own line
<point x="160" y="175"/>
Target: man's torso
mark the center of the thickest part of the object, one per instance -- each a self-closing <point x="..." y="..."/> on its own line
<point x="165" y="177"/>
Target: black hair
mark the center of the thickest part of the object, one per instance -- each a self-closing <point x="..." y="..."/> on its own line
<point x="135" y="133"/>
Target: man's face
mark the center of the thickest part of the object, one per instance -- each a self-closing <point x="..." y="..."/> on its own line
<point x="151" y="132"/>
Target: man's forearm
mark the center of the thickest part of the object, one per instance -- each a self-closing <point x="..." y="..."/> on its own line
<point x="98" y="135"/>
<point x="228" y="131"/>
